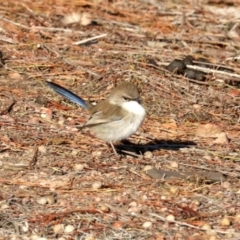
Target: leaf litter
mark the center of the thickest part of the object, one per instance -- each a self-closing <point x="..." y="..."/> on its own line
<point x="61" y="183"/>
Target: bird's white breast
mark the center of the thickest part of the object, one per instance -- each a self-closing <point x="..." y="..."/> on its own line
<point x="121" y="129"/>
<point x="134" y="119"/>
<point x="135" y="108"/>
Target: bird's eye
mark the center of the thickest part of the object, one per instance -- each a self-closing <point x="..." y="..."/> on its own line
<point x="125" y="98"/>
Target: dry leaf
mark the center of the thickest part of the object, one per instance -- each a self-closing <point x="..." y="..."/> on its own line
<point x="14" y="75"/>
<point x="208" y="130"/>
<point x="234" y="93"/>
<point x="221" y="139"/>
<point x="86" y="19"/>
<point x="83" y="18"/>
<point x="225" y="11"/>
<point x="234" y="33"/>
<point x="71" y="18"/>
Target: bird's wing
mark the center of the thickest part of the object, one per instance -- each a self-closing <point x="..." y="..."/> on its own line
<point x="67" y="94"/>
<point x="101" y="115"/>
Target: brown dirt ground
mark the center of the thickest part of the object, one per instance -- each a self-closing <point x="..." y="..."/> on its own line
<point x="60" y="183"/>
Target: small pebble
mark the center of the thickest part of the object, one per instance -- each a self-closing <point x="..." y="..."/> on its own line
<point x="74" y="152"/>
<point x="117" y="224"/>
<point x="163" y="197"/>
<point x="50" y="199"/>
<point x="98" y="199"/>
<point x="206" y="226"/>
<point x="33" y="120"/>
<point x="219" y="195"/>
<point x="226" y="185"/>
<point x="42" y="200"/>
<point x="97" y="154"/>
<point x="225" y="221"/>
<point x="207" y="157"/>
<point x="170" y="218"/>
<point x="69" y="229"/>
<point x="42" y="149"/>
<point x="58" y="228"/>
<point x="212" y="238"/>
<point x="148" y="154"/>
<point x="173" y="164"/>
<point x="4" y="206"/>
<point x="97" y="185"/>
<point x="46" y="116"/>
<point x="78" y="167"/>
<point x="196" y="202"/>
<point x="174" y="190"/>
<point x="145" y="197"/>
<point x="211" y="232"/>
<point x="104" y="208"/>
<point x="24" y="228"/>
<point x="134" y="210"/>
<point x="74" y="129"/>
<point x="237" y="217"/>
<point x="39" y="46"/>
<point x="147" y="224"/>
<point x="197" y="106"/>
<point x="147" y="168"/>
<point x="194" y="205"/>
<point x="34" y="237"/>
<point x="61" y="122"/>
<point x="133" y="204"/>
<point x="46" y="113"/>
<point x="26" y="200"/>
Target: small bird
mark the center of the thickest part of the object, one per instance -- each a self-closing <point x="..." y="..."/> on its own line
<point x="113" y="119"/>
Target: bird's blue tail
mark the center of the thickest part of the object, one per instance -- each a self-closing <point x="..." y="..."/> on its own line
<point x="67" y="94"/>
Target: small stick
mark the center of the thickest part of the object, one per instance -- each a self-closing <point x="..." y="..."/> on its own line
<point x="90" y="39"/>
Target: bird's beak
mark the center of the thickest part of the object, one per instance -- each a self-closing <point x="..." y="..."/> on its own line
<point x="138" y="100"/>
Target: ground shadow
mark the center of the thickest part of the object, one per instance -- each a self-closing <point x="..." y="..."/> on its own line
<point x="153" y="145"/>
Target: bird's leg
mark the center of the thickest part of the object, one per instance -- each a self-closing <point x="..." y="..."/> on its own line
<point x="114" y="150"/>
